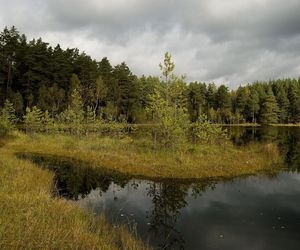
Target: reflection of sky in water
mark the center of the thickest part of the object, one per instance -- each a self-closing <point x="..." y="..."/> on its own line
<point x="251" y="213"/>
<point x="244" y="213"/>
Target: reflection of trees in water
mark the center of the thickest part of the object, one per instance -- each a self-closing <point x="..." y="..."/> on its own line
<point x="241" y="136"/>
<point x="168" y="198"/>
<point x="288" y="140"/>
<point x="290" y="145"/>
<point x="74" y="179"/>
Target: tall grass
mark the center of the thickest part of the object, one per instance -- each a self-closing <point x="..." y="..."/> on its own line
<point x="136" y="157"/>
<point x="31" y="218"/>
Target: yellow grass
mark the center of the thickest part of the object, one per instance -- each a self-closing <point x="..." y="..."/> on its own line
<point x="136" y="158"/>
<point x="30" y="218"/>
<point x="286" y="125"/>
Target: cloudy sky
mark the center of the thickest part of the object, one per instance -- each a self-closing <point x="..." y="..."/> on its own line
<point x="225" y="41"/>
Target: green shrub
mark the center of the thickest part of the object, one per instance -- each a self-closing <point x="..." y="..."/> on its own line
<point x="202" y="131"/>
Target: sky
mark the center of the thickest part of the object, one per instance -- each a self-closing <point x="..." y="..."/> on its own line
<point x="230" y="42"/>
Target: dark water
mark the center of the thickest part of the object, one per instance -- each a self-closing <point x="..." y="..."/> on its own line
<point x="259" y="212"/>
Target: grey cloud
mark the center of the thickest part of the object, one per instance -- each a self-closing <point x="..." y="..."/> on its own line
<point x="229" y="41"/>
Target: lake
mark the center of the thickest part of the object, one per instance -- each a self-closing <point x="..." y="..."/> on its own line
<point x="256" y="212"/>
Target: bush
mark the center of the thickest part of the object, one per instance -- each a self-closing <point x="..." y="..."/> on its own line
<point x="33" y="119"/>
<point x="7" y="118"/>
<point x="202" y="131"/>
<point x="172" y="122"/>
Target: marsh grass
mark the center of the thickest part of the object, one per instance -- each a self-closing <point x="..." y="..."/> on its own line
<point x="286" y="125"/>
<point x="138" y="158"/>
<point x="31" y="218"/>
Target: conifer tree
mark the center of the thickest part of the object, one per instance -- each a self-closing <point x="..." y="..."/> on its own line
<point x="294" y="99"/>
<point x="283" y="106"/>
<point x="8" y="113"/>
<point x="269" y="109"/>
<point x="253" y="105"/>
<point x="33" y="118"/>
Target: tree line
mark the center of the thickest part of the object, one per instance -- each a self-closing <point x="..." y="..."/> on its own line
<point x="67" y="83"/>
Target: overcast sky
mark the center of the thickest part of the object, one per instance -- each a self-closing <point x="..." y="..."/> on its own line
<point x="225" y="41"/>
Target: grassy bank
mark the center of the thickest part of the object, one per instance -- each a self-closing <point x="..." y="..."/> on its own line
<point x="136" y="157"/>
<point x="286" y="125"/>
<point x="241" y="125"/>
<point x="30" y="218"/>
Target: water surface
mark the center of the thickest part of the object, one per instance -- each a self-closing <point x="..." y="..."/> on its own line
<point x="258" y="212"/>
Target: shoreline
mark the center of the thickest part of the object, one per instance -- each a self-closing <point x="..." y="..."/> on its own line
<point x="131" y="157"/>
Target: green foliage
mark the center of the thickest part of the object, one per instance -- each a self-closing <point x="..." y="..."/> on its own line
<point x="269" y="109"/>
<point x="17" y="101"/>
<point x="33" y="119"/>
<point x="202" y="131"/>
<point x="294" y="101"/>
<point x="32" y="73"/>
<point x="126" y="92"/>
<point x="7" y="118"/>
<point x="98" y="93"/>
<point x="211" y="96"/>
<point x="253" y="105"/>
<point x="8" y="113"/>
<point x="47" y="121"/>
<point x="172" y="122"/>
<point x="36" y="120"/>
<point x="167" y="67"/>
<point x="90" y="119"/>
<point x="90" y="116"/>
<point x="73" y="116"/>
<point x="196" y="100"/>
<point x="110" y="112"/>
<point x="283" y="106"/>
<point x="177" y="92"/>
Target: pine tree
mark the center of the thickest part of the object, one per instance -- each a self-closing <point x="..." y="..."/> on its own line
<point x="8" y="113"/>
<point x="283" y="106"/>
<point x="33" y="118"/>
<point x="223" y="103"/>
<point x="47" y="121"/>
<point x="253" y="105"/>
<point x="7" y="118"/>
<point x="74" y="114"/>
<point x="17" y="100"/>
<point x="126" y="93"/>
<point x="196" y="99"/>
<point x="242" y="99"/>
<point x="9" y="45"/>
<point x="211" y="96"/>
<point x="269" y="109"/>
<point x="294" y="99"/>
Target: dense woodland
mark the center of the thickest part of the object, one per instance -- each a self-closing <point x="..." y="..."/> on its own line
<point x="34" y="75"/>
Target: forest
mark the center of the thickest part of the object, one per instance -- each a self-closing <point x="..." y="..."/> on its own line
<point x="90" y="119"/>
<point x="36" y="76"/>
